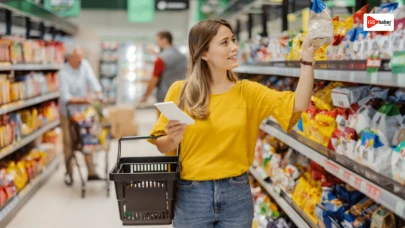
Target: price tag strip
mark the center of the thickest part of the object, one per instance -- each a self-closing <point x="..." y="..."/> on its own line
<point x="387" y="199"/>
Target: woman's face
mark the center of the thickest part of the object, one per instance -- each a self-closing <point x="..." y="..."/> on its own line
<point x="222" y="52"/>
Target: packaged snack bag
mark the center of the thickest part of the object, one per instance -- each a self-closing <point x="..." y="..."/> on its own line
<point x="361" y="120"/>
<point x="388" y="7"/>
<point x="346" y="46"/>
<point x="383" y="218"/>
<point x="323" y="99"/>
<point x="325" y="125"/>
<point x="349" y="194"/>
<point x="399" y="135"/>
<point x="384" y="123"/>
<point x="358" y="17"/>
<point x="320" y="27"/>
<point x="376" y="155"/>
<point x="398" y="163"/>
<point x="348" y="140"/>
<point x="358" y="44"/>
<point x="344" y="97"/>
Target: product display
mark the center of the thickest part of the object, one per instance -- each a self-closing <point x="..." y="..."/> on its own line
<point x="16" y="50"/>
<point x="338" y="40"/>
<point x="19" y="169"/>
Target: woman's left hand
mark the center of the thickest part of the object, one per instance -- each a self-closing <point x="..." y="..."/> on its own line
<point x="308" y="50"/>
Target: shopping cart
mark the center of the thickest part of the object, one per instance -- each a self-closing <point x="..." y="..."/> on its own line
<point x="145" y="187"/>
<point x="84" y="134"/>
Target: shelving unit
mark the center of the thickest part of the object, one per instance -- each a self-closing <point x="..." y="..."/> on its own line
<point x="35" y="67"/>
<point x="335" y="164"/>
<point x="17" y="202"/>
<point x="27" y="139"/>
<point x="284" y="202"/>
<point x="382" y="78"/>
<point x="6" y="108"/>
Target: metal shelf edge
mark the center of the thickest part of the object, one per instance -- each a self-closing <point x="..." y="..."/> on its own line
<point x="18" y="201"/>
<point x="379" y="78"/>
<point x="36" y="67"/>
<point x="380" y="195"/>
<point x="12" y="148"/>
<point x="26" y="103"/>
<point x="287" y="208"/>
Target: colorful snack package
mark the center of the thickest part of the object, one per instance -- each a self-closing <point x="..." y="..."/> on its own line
<point x="359" y="16"/>
<point x="376" y="156"/>
<point x="384" y="123"/>
<point x="398" y="163"/>
<point x="325" y="125"/>
<point x="346" y="46"/>
<point x="348" y="140"/>
<point x="323" y="98"/>
<point x="344" y="97"/>
<point x="399" y="135"/>
<point x="383" y="218"/>
<point x="362" y="119"/>
<point x="320" y="27"/>
<point x="358" y="44"/>
<point x="349" y="194"/>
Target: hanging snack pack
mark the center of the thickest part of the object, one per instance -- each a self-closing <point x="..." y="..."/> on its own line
<point x="384" y="123"/>
<point x="398" y="163"/>
<point x="320" y="27"/>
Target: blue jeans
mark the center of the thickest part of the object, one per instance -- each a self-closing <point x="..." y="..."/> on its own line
<point x="225" y="203"/>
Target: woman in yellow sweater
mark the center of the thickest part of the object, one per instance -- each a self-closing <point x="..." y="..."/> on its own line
<point x="218" y="149"/>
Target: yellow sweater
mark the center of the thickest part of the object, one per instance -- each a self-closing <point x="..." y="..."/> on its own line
<point x="223" y="145"/>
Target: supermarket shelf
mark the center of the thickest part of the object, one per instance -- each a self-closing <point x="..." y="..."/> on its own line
<point x="284" y="204"/>
<point x="12" y="148"/>
<point x="379" y="194"/>
<point x="6" y="108"/>
<point x="38" y="13"/>
<point x="5" y="68"/>
<point x="31" y="67"/>
<point x="13" y="206"/>
<point x="385" y="78"/>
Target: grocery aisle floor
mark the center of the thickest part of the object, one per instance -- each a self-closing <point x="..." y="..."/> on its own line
<point x="57" y="206"/>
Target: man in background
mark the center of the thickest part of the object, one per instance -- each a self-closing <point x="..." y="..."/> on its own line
<point x="170" y="66"/>
<point x="76" y="79"/>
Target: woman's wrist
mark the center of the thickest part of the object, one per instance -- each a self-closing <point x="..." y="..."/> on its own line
<point x="307" y="57"/>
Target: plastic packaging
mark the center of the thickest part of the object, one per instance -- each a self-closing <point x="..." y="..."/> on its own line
<point x="320" y="27"/>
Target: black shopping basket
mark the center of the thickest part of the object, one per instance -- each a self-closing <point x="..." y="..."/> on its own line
<point x="145" y="187"/>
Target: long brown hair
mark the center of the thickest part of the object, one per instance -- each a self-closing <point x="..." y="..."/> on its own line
<point x="195" y="94"/>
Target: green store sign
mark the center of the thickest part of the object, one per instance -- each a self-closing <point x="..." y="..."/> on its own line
<point x="63" y="8"/>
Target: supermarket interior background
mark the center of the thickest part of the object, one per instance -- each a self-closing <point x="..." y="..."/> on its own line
<point x="342" y="165"/>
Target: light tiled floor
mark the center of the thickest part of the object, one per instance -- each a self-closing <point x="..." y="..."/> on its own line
<point x="57" y="206"/>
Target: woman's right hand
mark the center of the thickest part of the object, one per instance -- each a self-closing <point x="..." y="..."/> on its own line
<point x="175" y="130"/>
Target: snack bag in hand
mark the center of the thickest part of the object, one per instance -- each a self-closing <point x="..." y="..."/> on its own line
<point x="320" y="27"/>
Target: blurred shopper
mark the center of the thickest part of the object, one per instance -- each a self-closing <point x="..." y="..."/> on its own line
<point x="76" y="79"/>
<point x="170" y="66"/>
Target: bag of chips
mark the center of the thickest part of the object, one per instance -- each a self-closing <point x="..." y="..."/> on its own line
<point x="385" y="122"/>
<point x="320" y="27"/>
<point x="398" y="163"/>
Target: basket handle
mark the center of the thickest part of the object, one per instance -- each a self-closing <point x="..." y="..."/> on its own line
<point x="129" y="138"/>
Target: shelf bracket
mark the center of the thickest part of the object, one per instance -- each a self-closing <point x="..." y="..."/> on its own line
<point x="250" y="25"/>
<point x="284" y="15"/>
<point x="8" y="22"/>
<point x="28" y="27"/>
<point x="265" y="18"/>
